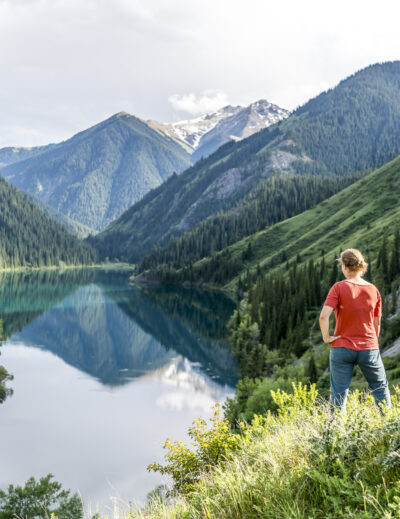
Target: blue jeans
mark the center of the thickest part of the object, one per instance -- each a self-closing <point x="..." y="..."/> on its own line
<point x="342" y="362"/>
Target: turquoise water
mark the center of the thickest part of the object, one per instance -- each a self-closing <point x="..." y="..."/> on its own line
<point x="103" y="373"/>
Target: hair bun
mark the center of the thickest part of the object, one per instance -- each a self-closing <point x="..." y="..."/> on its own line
<point x="353" y="260"/>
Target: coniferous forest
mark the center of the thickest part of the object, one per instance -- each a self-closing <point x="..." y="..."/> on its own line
<point x="29" y="238"/>
<point x="275" y="200"/>
<point x="355" y="216"/>
<point x="264" y="219"/>
<point x="276" y="323"/>
<point x="350" y="128"/>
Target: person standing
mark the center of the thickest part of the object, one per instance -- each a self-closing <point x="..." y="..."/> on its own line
<point x="358" y="308"/>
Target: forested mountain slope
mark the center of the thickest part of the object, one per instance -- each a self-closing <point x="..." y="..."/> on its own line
<point x="353" y="127"/>
<point x="30" y="238"/>
<point x="276" y="199"/>
<point x="74" y="227"/>
<point x="358" y="216"/>
<point x="97" y="174"/>
<point x="10" y="154"/>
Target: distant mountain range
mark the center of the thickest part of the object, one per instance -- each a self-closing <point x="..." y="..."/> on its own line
<point x="96" y="175"/>
<point x="203" y="135"/>
<point x="353" y="127"/>
<point x="10" y="155"/>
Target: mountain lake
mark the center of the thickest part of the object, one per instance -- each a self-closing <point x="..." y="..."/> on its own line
<point x="103" y="373"/>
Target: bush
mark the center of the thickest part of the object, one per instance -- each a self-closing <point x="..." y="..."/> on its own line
<point x="210" y="447"/>
<point x="255" y="396"/>
<point x="303" y="463"/>
<point x="39" y="499"/>
<point x="4" y="377"/>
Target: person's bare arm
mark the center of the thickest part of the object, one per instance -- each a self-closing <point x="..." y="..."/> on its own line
<point x="377" y="325"/>
<point x="324" y="325"/>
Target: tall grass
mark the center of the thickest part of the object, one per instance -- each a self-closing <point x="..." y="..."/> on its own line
<point x="303" y="464"/>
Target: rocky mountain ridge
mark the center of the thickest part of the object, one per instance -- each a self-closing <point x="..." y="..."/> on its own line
<point x="366" y="109"/>
<point x="94" y="176"/>
<point x="203" y="135"/>
<point x="100" y="172"/>
<point x="12" y="154"/>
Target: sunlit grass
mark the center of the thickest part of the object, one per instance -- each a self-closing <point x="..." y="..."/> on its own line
<point x="303" y="464"/>
<point x="358" y="216"/>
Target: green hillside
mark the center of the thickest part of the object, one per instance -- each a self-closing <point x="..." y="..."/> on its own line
<point x="353" y="127"/>
<point x="30" y="238"/>
<point x="100" y="172"/>
<point x="358" y="216"/>
<point x="72" y="226"/>
<point x="276" y="199"/>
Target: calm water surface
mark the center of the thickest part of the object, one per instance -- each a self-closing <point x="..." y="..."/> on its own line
<point x="103" y="373"/>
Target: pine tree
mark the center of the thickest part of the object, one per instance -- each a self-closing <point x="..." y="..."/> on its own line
<point x="394" y="267"/>
<point x="312" y="372"/>
<point x="393" y="306"/>
<point x="382" y="263"/>
<point x="334" y="273"/>
<point x="368" y="274"/>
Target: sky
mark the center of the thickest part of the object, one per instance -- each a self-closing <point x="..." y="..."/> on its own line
<point x="68" y="64"/>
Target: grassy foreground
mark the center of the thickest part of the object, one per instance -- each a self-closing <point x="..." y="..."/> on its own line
<point x="302" y="464"/>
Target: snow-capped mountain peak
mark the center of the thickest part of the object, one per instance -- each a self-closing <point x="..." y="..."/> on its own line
<point x="192" y="130"/>
<point x="204" y="134"/>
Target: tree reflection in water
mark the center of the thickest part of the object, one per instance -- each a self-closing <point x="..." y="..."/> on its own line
<point x="114" y="332"/>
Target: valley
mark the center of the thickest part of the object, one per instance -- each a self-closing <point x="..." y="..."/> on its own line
<point x="231" y="222"/>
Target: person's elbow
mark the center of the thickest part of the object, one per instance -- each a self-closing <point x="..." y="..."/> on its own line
<point x="325" y="313"/>
<point x="323" y="319"/>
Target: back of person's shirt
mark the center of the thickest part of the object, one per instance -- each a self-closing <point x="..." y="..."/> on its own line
<point x="355" y="307"/>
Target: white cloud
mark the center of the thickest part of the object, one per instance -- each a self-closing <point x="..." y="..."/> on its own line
<point x="67" y="64"/>
<point x="208" y="101"/>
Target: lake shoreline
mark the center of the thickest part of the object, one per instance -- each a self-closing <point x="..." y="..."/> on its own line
<point x="88" y="351"/>
<point x="143" y="279"/>
<point x="101" y="266"/>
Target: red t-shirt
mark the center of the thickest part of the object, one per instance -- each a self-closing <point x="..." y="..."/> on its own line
<point x="355" y="308"/>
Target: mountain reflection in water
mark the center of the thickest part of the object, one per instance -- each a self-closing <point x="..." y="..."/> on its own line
<point x="104" y="372"/>
<point x="113" y="331"/>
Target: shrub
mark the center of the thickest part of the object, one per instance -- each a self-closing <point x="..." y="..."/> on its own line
<point x="302" y="463"/>
<point x="39" y="499"/>
<point x="210" y="447"/>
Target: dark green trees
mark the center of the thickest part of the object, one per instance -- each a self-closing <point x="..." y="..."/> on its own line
<point x="30" y="238"/>
<point x="39" y="499"/>
<point x="279" y="309"/>
<point x="4" y="376"/>
<point x="275" y="200"/>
